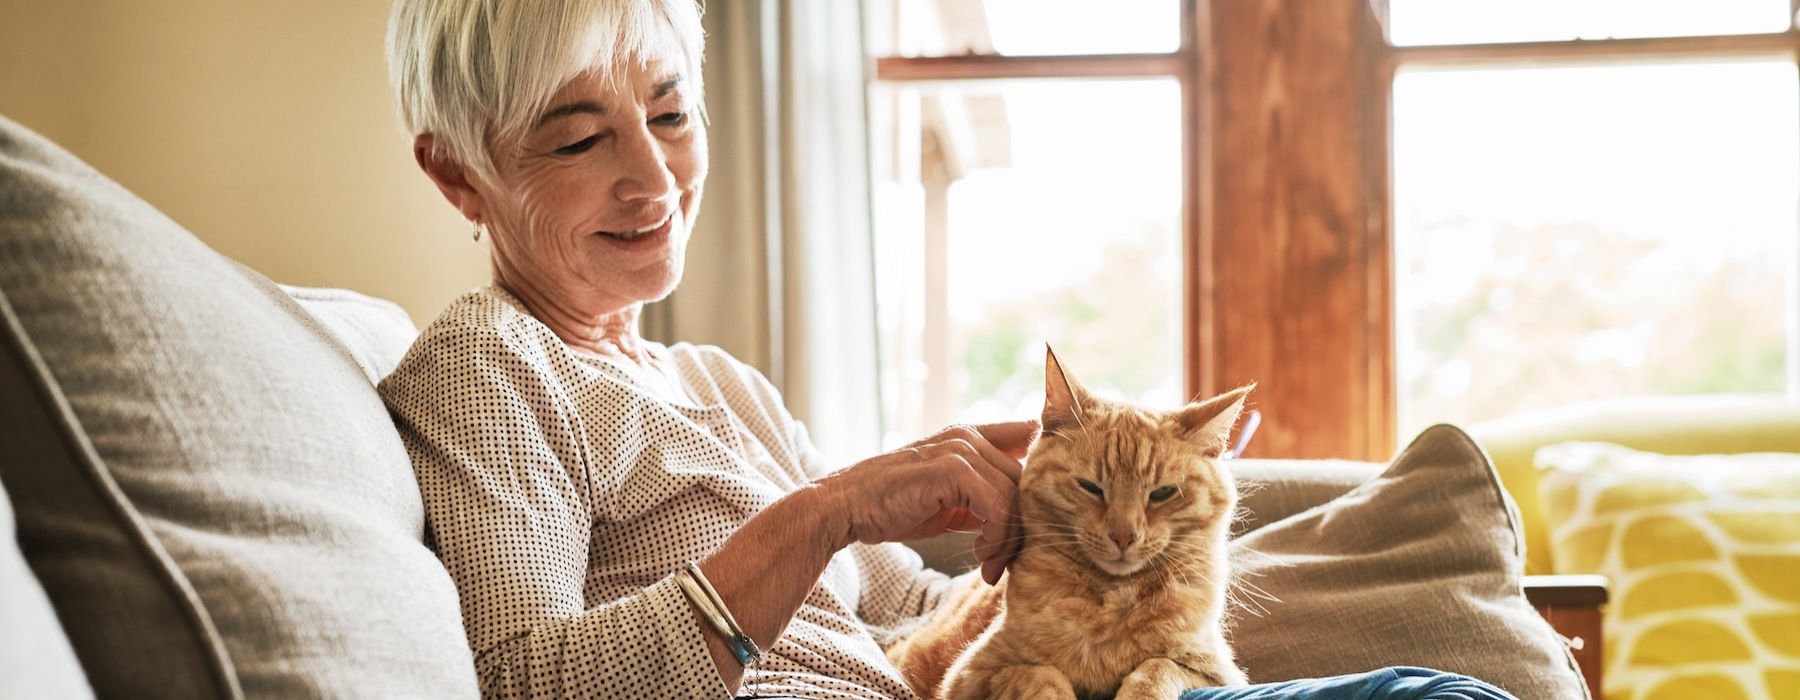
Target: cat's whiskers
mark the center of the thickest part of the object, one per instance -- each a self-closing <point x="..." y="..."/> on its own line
<point x="1051" y="538"/>
<point x="1047" y="537"/>
<point x="1251" y="598"/>
<point x="1050" y="524"/>
<point x="1185" y="568"/>
<point x="1169" y="567"/>
<point x="1246" y="553"/>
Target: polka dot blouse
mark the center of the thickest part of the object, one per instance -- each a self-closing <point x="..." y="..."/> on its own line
<point x="563" y="492"/>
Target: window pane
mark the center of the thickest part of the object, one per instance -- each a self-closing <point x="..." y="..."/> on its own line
<point x="1567" y="234"/>
<point x="1416" y="22"/>
<point x="1012" y="215"/>
<point x="1023" y="27"/>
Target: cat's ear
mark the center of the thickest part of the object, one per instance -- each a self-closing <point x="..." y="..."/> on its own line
<point x="1208" y="423"/>
<point x="1062" y="397"/>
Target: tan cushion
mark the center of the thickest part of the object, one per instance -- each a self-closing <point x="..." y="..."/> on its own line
<point x="1420" y="566"/>
<point x="207" y="486"/>
<point x="376" y="332"/>
<point x="36" y="660"/>
<point x="1272" y="490"/>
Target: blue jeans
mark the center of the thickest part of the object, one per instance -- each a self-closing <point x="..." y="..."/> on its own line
<point x="1392" y="683"/>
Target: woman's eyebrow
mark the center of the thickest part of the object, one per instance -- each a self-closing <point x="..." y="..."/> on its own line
<point x="591" y="107"/>
<point x="577" y="107"/>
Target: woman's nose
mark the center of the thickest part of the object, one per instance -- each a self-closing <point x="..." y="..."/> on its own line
<point x="644" y="168"/>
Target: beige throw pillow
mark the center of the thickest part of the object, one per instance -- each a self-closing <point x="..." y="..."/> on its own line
<point x="1420" y="566"/>
<point x="206" y="485"/>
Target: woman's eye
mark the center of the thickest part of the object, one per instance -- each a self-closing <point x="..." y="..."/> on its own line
<point x="581" y="146"/>
<point x="1090" y="487"/>
<point x="1163" y="494"/>
<point x="672" y="119"/>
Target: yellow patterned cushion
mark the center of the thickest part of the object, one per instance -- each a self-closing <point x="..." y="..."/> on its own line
<point x="1704" y="558"/>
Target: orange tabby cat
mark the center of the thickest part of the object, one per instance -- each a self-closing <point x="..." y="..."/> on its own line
<point x="1119" y="589"/>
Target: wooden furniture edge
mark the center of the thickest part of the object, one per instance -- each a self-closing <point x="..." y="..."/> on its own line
<point x="1572" y="604"/>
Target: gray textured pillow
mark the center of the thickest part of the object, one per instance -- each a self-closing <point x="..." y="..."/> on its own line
<point x="35" y="658"/>
<point x="1420" y="566"/>
<point x="376" y="332"/>
<point x="1271" y="490"/>
<point x="207" y="486"/>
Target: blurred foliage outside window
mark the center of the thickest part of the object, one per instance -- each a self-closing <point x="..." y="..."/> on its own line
<point x="1581" y="233"/>
<point x="1067" y="235"/>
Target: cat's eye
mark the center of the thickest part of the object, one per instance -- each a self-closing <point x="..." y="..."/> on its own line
<point x="1090" y="487"/>
<point x="1163" y="494"/>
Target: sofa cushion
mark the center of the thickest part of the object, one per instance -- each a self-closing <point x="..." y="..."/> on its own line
<point x="1272" y="490"/>
<point x="35" y="658"/>
<point x="207" y="486"/>
<point x="1676" y="425"/>
<point x="1703" y="556"/>
<point x="376" y="332"/>
<point x="1419" y="566"/>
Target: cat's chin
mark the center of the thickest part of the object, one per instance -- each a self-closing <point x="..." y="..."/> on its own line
<point x="1120" y="567"/>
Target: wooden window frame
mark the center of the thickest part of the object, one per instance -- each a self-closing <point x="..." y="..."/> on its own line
<point x="1287" y="226"/>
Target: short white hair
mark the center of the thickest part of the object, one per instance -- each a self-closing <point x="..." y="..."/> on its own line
<point x="473" y="72"/>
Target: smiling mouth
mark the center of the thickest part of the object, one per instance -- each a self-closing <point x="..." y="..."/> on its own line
<point x="639" y="233"/>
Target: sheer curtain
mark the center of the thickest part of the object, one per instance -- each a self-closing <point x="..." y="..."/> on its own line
<point x="779" y="271"/>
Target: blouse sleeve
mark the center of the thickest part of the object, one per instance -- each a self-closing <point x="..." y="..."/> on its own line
<point x="497" y="449"/>
<point x="896" y="586"/>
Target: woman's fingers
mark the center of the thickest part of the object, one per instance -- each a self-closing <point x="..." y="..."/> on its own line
<point x="992" y="503"/>
<point x="964" y="478"/>
<point x="961" y="520"/>
<point x="1000" y="444"/>
<point x="975" y="453"/>
<point x="992" y="568"/>
<point x="1000" y="540"/>
<point x="1012" y="438"/>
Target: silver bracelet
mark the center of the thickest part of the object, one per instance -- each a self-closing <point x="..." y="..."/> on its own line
<point x="700" y="592"/>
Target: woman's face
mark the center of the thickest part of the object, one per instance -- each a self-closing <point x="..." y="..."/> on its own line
<point x="591" y="211"/>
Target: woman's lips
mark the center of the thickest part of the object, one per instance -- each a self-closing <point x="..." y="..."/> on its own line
<point x="646" y="235"/>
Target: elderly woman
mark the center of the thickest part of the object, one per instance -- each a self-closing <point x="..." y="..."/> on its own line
<point x="624" y="518"/>
<point x="572" y="469"/>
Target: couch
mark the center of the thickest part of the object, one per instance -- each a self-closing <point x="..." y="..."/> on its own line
<point x="202" y="496"/>
<point x="1684" y="425"/>
<point x="1639" y="492"/>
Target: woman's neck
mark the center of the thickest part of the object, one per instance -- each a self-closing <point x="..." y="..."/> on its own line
<point x="611" y="334"/>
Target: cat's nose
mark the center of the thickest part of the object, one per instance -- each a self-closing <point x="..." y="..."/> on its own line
<point x="1124" y="538"/>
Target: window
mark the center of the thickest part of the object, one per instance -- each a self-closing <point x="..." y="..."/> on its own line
<point x="1014" y="212"/>
<point x="1389" y="212"/>
<point x="1613" y="224"/>
<point x="1446" y="22"/>
<point x="912" y="28"/>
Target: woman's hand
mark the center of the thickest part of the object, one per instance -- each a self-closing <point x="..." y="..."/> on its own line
<point x="963" y="479"/>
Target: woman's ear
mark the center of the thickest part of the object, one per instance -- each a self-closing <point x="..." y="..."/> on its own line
<point x="451" y="177"/>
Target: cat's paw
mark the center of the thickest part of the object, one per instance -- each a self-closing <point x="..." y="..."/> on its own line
<point x="1163" y="679"/>
<point x="1029" y="683"/>
<point x="1155" y="679"/>
<point x="1231" y="675"/>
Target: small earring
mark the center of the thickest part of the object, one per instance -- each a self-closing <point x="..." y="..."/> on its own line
<point x="478" y="228"/>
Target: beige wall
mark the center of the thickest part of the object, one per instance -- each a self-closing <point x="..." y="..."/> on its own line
<point x="264" y="127"/>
